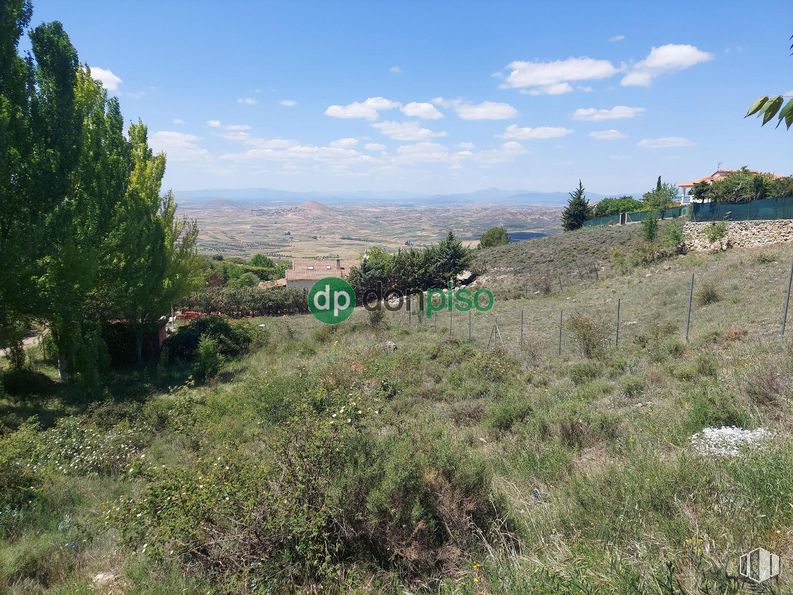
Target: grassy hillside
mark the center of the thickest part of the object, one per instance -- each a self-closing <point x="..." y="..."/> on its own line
<point x="328" y="458"/>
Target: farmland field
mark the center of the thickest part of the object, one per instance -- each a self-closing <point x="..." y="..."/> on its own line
<point x="238" y="228"/>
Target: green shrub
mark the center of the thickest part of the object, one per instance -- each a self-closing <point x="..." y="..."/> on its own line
<point x="633" y="386"/>
<point x="583" y="372"/>
<point x="589" y="334"/>
<point x="707" y="294"/>
<point x="713" y="406"/>
<point x="673" y="235"/>
<point x="208" y="360"/>
<point x="715" y="232"/>
<point x="376" y="318"/>
<point x="233" y="339"/>
<point x="502" y="415"/>
<point x="650" y="228"/>
<point x="20" y="477"/>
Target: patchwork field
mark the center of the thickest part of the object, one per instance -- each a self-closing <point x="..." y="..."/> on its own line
<point x="237" y="228"/>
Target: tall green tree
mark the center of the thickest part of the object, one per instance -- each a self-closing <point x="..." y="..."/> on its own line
<point x="661" y="197"/>
<point x="577" y="210"/>
<point x="495" y="236"/>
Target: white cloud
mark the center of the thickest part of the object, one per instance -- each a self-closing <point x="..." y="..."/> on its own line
<point x="375" y="147"/>
<point x="666" y="142"/>
<point x="287" y="103"/>
<point x="607" y="134"/>
<point x="179" y="146"/>
<point x="614" y="38"/>
<point x="618" y="112"/>
<point x="406" y="131"/>
<point x="368" y="109"/>
<point x="550" y="77"/>
<point x="504" y="153"/>
<point x="246" y="101"/>
<point x="788" y="93"/>
<point x="213" y="123"/>
<point x="555" y="89"/>
<point x="178" y="121"/>
<point x="106" y="76"/>
<point x="344" y="142"/>
<point x="487" y="110"/>
<point x="667" y="58"/>
<point x="425" y="111"/>
<point x="514" y="132"/>
<point x="395" y="69"/>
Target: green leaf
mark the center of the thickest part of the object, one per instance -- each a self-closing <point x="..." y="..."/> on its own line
<point x="789" y="120"/>
<point x="756" y="106"/>
<point x="786" y="112"/>
<point x="771" y="109"/>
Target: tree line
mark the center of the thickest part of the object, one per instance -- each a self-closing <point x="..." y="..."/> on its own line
<point x="409" y="270"/>
<point x="86" y="236"/>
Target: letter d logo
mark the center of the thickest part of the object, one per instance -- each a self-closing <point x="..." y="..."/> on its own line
<point x="331" y="300"/>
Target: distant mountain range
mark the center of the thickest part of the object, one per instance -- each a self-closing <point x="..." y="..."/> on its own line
<point x="269" y="196"/>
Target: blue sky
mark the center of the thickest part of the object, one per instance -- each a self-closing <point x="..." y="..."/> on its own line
<point x="442" y="96"/>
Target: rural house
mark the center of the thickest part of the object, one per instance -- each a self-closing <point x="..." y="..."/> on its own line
<point x="685" y="195"/>
<point x="307" y="271"/>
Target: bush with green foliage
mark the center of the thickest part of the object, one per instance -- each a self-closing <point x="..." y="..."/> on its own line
<point x="208" y="359"/>
<point x="495" y="236"/>
<point x="661" y="197"/>
<point x="716" y="232"/>
<point x="247" y="301"/>
<point x="615" y="206"/>
<point x="588" y="333"/>
<point x="673" y="235"/>
<point x="231" y="338"/>
<point x="650" y="228"/>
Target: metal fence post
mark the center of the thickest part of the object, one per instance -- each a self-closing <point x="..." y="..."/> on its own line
<point x="561" y="315"/>
<point x="787" y="300"/>
<point x="521" y="325"/>
<point x="470" y="318"/>
<point x="451" y="318"/>
<point x="690" y="303"/>
<point x="617" y="341"/>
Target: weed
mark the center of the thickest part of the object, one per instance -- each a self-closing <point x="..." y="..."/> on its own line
<point x="589" y="334"/>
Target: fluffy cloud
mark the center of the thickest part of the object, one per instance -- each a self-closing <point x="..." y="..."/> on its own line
<point x="368" y="109"/>
<point x="375" y="147"/>
<point x="607" y="134"/>
<point x="395" y="69"/>
<point x="425" y="111"/>
<point x="178" y="121"/>
<point x="213" y="123"/>
<point x="487" y="110"/>
<point x="666" y="142"/>
<point x="664" y="59"/>
<point x="246" y="101"/>
<point x="179" y="146"/>
<point x="344" y="142"/>
<point x="554" y="78"/>
<point x="514" y="132"/>
<point x="406" y="131"/>
<point x="287" y="103"/>
<point x="614" y="38"/>
<point x="618" y="112"/>
<point x="105" y="76"/>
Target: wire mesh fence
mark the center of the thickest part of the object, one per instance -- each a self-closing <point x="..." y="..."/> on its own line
<point x="542" y="327"/>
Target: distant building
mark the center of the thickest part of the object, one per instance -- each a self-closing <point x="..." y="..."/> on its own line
<point x="307" y="271"/>
<point x="685" y="196"/>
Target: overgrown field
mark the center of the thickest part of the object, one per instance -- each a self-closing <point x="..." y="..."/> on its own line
<point x="393" y="457"/>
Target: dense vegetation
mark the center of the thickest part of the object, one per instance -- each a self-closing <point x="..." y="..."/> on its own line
<point x="85" y="234"/>
<point x="410" y="270"/>
<point x="744" y="185"/>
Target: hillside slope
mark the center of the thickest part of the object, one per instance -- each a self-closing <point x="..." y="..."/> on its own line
<point x="394" y="457"/>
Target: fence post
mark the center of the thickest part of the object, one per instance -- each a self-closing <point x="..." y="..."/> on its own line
<point x="690" y="303"/>
<point x="521" y="325"/>
<point x="787" y="300"/>
<point x="561" y="315"/>
<point x="470" y="317"/>
<point x="451" y="318"/>
<point x="617" y="342"/>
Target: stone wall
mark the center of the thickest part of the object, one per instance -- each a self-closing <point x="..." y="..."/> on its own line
<point x="740" y="234"/>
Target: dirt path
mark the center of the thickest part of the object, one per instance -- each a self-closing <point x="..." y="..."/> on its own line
<point x="27" y="342"/>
